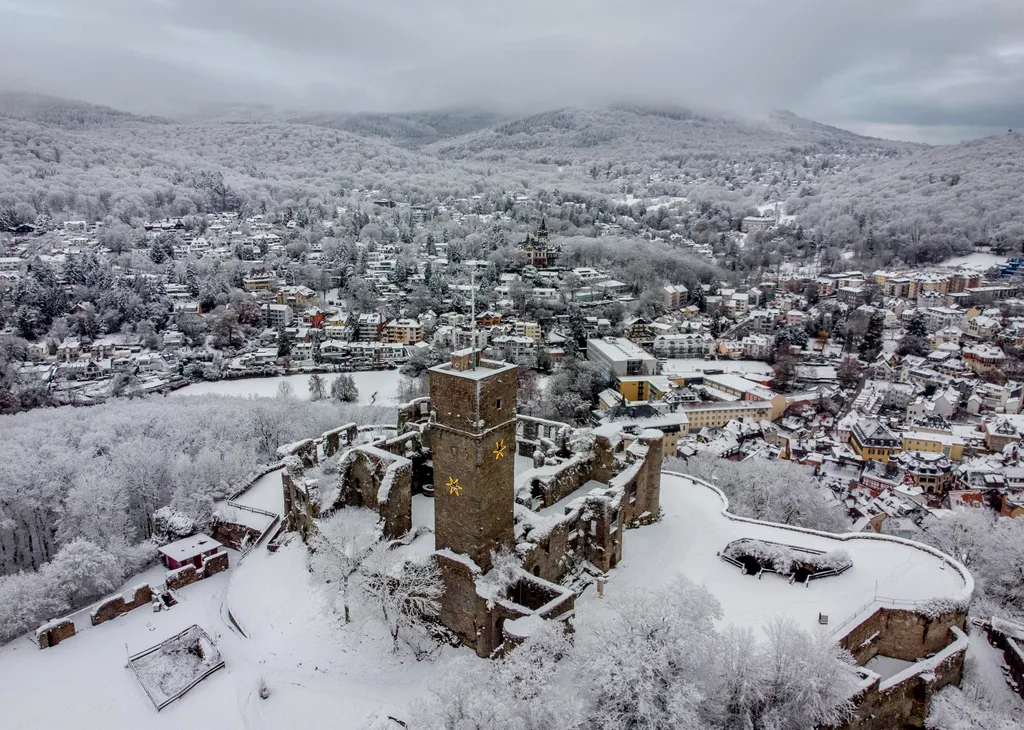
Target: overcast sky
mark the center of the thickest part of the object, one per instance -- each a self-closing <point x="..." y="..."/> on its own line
<point x="928" y="70"/>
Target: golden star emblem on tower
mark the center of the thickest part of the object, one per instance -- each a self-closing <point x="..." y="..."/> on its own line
<point x="453" y="487"/>
<point x="499" y="449"/>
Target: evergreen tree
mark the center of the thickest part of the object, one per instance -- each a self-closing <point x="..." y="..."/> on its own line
<point x="871" y="344"/>
<point x="699" y="299"/>
<point x="916" y="325"/>
<point x="284" y="343"/>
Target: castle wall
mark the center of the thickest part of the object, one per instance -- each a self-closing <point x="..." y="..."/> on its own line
<point x="459" y="602"/>
<point x="376" y="479"/>
<point x="901" y="634"/>
<point x="904" y="700"/>
<point x="234" y="535"/>
<point x="53" y="633"/>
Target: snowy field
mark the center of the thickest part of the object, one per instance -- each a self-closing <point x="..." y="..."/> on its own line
<point x="974" y="261"/>
<point x="378" y="387"/>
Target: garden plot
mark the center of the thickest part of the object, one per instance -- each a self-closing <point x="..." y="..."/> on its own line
<point x="173" y="667"/>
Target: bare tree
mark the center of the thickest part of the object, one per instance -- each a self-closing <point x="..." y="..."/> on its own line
<point x="341" y="545"/>
<point x="406" y="591"/>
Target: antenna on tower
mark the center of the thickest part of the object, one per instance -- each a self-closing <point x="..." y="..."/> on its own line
<point x="472" y="316"/>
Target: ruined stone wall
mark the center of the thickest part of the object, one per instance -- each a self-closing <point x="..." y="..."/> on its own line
<point x="53" y="633"/>
<point x="234" y="535"/>
<point x="373" y="478"/>
<point x="604" y="467"/>
<point x="459" y="602"/>
<point x="116" y="606"/>
<point x="213" y="564"/>
<point x="556" y="486"/>
<point x="333" y="440"/>
<point x="906" y="704"/>
<point x="415" y="411"/>
<point x="648" y="494"/>
<point x="558" y="555"/>
<point x="901" y="634"/>
<point x="178" y="579"/>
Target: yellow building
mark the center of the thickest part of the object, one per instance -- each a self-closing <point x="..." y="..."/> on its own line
<point x="528" y="329"/>
<point x="927" y="441"/>
<point x="872" y="441"/>
<point x="716" y="415"/>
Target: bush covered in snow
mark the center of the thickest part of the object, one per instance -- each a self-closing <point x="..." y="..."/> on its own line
<point x="785" y="559"/>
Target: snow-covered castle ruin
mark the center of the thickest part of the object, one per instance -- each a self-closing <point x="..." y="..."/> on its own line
<point x="529" y="512"/>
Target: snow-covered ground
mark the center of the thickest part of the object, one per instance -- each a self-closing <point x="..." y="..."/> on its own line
<point x="266" y="493"/>
<point x="984" y="678"/>
<point x="693" y="530"/>
<point x="379" y="387"/>
<point x="690" y="365"/>
<point x="322" y="673"/>
<point x="974" y="261"/>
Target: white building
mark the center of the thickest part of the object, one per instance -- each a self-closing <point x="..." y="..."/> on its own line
<point x="618" y="356"/>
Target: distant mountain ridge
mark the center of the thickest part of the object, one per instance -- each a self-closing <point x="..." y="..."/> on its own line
<point x="65" y="113"/>
<point x="878" y="198"/>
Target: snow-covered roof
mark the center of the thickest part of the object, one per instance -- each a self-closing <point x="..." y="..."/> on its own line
<point x="189" y="547"/>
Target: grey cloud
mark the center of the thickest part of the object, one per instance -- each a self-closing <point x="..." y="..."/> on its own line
<point x="911" y="67"/>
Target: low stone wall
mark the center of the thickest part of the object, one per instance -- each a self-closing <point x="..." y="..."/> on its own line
<point x="55" y="632"/>
<point x="178" y="579"/>
<point x="116" y="606"/>
<point x="213" y="564"/>
<point x="234" y="535"/>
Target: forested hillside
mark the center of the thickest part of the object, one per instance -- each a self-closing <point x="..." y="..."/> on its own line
<point x="71" y="159"/>
<point x="52" y="111"/>
<point x="885" y="201"/>
<point x="924" y="207"/>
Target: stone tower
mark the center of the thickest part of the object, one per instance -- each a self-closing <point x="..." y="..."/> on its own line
<point x="473" y="444"/>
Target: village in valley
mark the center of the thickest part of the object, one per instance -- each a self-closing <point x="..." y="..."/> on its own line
<point x="558" y="436"/>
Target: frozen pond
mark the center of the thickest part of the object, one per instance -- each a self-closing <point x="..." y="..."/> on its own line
<point x="378" y="387"/>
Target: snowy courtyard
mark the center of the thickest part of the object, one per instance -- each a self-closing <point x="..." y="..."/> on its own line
<point x="693" y="530"/>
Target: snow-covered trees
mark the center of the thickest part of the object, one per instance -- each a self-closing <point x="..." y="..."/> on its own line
<point x="775" y="491"/>
<point x="406" y="591"/>
<point x="80" y="572"/>
<point x="653" y="660"/>
<point x="103" y="473"/>
<point x="341" y="545"/>
<point x="572" y="391"/>
<point x="317" y="388"/>
<point x="344" y="390"/>
<point x="992" y="548"/>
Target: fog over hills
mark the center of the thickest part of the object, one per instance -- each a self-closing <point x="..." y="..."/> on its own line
<point x="880" y="198"/>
